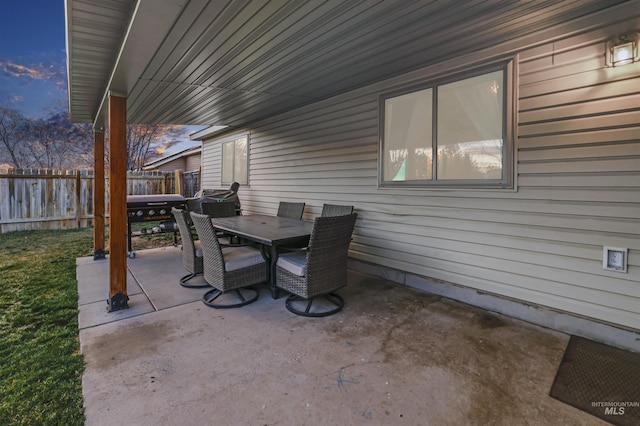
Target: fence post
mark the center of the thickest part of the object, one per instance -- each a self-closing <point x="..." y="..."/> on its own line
<point x="78" y="200"/>
<point x="177" y="182"/>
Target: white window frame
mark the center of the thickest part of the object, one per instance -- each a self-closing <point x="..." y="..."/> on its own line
<point x="507" y="181"/>
<point x="232" y="141"/>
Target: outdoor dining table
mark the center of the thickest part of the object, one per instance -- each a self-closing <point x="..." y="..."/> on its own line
<point x="269" y="231"/>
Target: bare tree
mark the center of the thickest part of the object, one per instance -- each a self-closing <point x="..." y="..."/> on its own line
<point x="55" y="142"/>
<point x="75" y="140"/>
<point x="42" y="145"/>
<point x="13" y="131"/>
<point x="81" y="135"/>
<point x="52" y="142"/>
<point x="143" y="140"/>
<point x="139" y="140"/>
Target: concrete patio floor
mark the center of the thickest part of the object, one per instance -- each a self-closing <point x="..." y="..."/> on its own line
<point x="392" y="356"/>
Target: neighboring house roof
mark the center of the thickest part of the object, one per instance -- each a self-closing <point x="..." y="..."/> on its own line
<point x="236" y="62"/>
<point x="172" y="157"/>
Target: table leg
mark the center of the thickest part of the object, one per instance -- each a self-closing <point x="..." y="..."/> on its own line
<point x="129" y="251"/>
<point x="273" y="258"/>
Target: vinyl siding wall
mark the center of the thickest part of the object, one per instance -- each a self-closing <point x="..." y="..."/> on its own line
<point x="177" y="164"/>
<point x="192" y="163"/>
<point x="577" y="160"/>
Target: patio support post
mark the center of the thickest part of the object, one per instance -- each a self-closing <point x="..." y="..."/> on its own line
<point x="98" y="194"/>
<point x="118" y="298"/>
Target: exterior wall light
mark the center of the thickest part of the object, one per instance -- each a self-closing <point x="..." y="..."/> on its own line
<point x="622" y="50"/>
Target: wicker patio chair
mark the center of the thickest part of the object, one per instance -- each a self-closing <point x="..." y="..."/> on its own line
<point x="191" y="255"/>
<point x="218" y="209"/>
<point x="335" y="210"/>
<point x="290" y="210"/>
<point x="230" y="270"/>
<point x="313" y="274"/>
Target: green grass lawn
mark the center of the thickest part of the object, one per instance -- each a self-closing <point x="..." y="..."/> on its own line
<point x="40" y="362"/>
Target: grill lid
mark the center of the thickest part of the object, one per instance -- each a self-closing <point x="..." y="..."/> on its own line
<point x="134" y="201"/>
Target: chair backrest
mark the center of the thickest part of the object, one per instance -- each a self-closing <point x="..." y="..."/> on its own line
<point x="328" y="249"/>
<point x="188" y="246"/>
<point x="218" y="209"/>
<point x="335" y="210"/>
<point x="290" y="210"/>
<point x="211" y="252"/>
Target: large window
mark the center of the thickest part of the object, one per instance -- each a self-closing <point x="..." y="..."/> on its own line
<point x="235" y="160"/>
<point x="454" y="132"/>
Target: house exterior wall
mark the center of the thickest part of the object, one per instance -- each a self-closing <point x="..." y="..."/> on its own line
<point x="177" y="164"/>
<point x="577" y="161"/>
<point x="212" y="166"/>
<point x="192" y="163"/>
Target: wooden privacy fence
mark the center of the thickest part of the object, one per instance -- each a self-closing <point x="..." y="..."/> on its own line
<point x="63" y="199"/>
<point x="190" y="183"/>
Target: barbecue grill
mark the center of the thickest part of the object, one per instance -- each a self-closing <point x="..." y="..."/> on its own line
<point x="148" y="208"/>
<point x="215" y="196"/>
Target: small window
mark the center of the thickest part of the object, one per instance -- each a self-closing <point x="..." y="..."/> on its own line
<point x="235" y="160"/>
<point x="455" y="132"/>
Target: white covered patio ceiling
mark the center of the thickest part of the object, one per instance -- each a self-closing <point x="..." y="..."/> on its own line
<point x="231" y="62"/>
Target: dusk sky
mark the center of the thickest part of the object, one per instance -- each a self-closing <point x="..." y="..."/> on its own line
<point x="33" y="76"/>
<point x="32" y="56"/>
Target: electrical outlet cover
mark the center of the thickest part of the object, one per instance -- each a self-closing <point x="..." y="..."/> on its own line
<point x="614" y="259"/>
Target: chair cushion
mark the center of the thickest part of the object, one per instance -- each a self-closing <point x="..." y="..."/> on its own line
<point x="198" y="248"/>
<point x="294" y="262"/>
<point x="240" y="257"/>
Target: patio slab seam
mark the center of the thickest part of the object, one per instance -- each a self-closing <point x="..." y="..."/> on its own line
<point x="155" y="308"/>
<point x="152" y="286"/>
